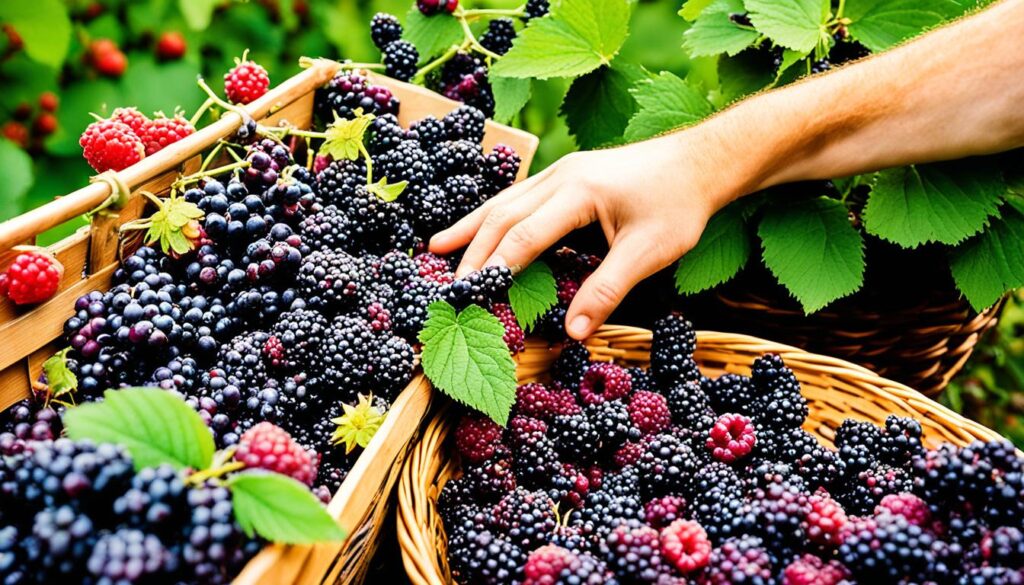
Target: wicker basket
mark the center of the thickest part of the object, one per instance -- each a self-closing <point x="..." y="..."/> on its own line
<point x="29" y="336"/>
<point x="835" y="390"/>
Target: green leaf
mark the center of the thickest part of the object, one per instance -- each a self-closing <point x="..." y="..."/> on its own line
<point x="432" y="35"/>
<point x="44" y="27"/>
<point x="465" y="356"/>
<point x="665" y="103"/>
<point x="743" y="75"/>
<point x="796" y="24"/>
<point x="17" y="171"/>
<point x="578" y="37"/>
<point x="280" y="509"/>
<point x="152" y="86"/>
<point x="723" y="249"/>
<point x="940" y="202"/>
<point x="715" y="33"/>
<point x="599" y="104"/>
<point x="510" y="96"/>
<point x="197" y="13"/>
<point x="881" y="24"/>
<point x="991" y="263"/>
<point x="813" y="251"/>
<point x="789" y="58"/>
<point x="533" y="292"/>
<point x="154" y="425"/>
<point x="692" y="8"/>
<point x="59" y="377"/>
<point x="345" y="137"/>
<point x="387" y="191"/>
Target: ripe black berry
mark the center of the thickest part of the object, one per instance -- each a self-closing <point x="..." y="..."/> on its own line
<point x="400" y="58"/>
<point x="384" y="29"/>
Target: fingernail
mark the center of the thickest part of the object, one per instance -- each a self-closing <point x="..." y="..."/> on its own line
<point x="579" y="326"/>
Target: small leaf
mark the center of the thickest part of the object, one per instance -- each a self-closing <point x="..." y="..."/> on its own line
<point x="387" y="191"/>
<point x="599" y="104"/>
<point x="358" y="424"/>
<point x="665" y="103"/>
<point x="510" y="96"/>
<point x="715" y="32"/>
<point x="432" y="35"/>
<point x="465" y="356"/>
<point x="345" y="137"/>
<point x="692" y="8"/>
<point x="722" y="251"/>
<point x="882" y="24"/>
<point x="59" y="377"/>
<point x="940" y="202"/>
<point x="533" y="292"/>
<point x="154" y="425"/>
<point x="796" y="24"/>
<point x="44" y="27"/>
<point x="813" y="251"/>
<point x="280" y="509"/>
<point x="988" y="265"/>
<point x="169" y="224"/>
<point x="197" y="13"/>
<point x="578" y="37"/>
<point x="789" y="58"/>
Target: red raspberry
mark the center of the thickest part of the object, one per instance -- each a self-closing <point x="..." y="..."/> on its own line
<point x="107" y="58"/>
<point x="162" y="131"/>
<point x="246" y="82"/>
<point x="628" y="454"/>
<point x="273" y="351"/>
<point x="431" y="7"/>
<point x="170" y="46"/>
<point x="605" y="381"/>
<point x="132" y="118"/>
<point x="16" y="132"/>
<point x="45" y="124"/>
<point x="826" y="521"/>
<point x="685" y="545"/>
<point x="48" y="101"/>
<point x="911" y="507"/>
<point x="660" y="512"/>
<point x="267" y="446"/>
<point x="514" y="337"/>
<point x="109" y="145"/>
<point x="544" y="402"/>
<point x="811" y="570"/>
<point x="477" y="438"/>
<point x="526" y="430"/>
<point x="649" y="412"/>
<point x="33" y="278"/>
<point x="731" y="438"/>
<point x="567" y="289"/>
<point x="544" y="566"/>
<point x="434" y="268"/>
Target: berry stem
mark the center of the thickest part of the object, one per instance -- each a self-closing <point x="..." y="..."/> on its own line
<point x="209" y="158"/>
<point x="839" y="10"/>
<point x="213" y="472"/>
<point x="476" y="13"/>
<point x="242" y="113"/>
<point x="203" y="174"/>
<point x="472" y="39"/>
<point x="429" y="67"/>
<point x="202" y="110"/>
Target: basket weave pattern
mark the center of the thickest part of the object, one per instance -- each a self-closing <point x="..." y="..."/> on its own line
<point x="835" y="390"/>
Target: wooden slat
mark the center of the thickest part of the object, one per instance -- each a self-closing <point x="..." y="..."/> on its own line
<point x="14" y="384"/>
<point x="71" y="252"/>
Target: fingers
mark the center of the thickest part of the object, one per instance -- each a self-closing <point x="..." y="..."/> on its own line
<point x="628" y="262"/>
<point x="533" y="234"/>
<point x="493" y="228"/>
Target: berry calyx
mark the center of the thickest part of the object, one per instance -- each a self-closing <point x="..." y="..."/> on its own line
<point x="110" y="145"/>
<point x="246" y="82"/>
<point x="268" y="446"/>
<point x="685" y="545"/>
<point x="33" y="278"/>
<point x="170" y="46"/>
<point x="731" y="438"/>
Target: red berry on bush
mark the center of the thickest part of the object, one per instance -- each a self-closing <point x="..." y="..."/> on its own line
<point x="162" y="131"/>
<point x="246" y="82"/>
<point x="33" y="278"/>
<point x="111" y="145"/>
<point x="16" y="132"/>
<point x="731" y="438"/>
<point x="170" y="46"/>
<point x="685" y="545"/>
<point x="48" y="101"/>
<point x="45" y="124"/>
<point x="431" y="7"/>
<point x="13" y="38"/>
<point x="107" y="58"/>
<point x="267" y="446"/>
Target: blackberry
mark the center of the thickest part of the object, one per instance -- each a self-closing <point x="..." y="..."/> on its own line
<point x="551" y="325"/>
<point x="634" y="552"/>
<point x="407" y="161"/>
<point x="155" y="500"/>
<point x="901" y="440"/>
<point x="385" y="134"/>
<point x="732" y="393"/>
<point x="351" y="90"/>
<point x="429" y="131"/>
<point x="128" y="555"/>
<point x="396" y="268"/>
<point x="457" y="157"/>
<point x="858" y="443"/>
<point x="330" y="281"/>
<point x="411" y="306"/>
<point x="493" y="478"/>
<point x="660" y="512"/>
<point x="61" y="540"/>
<point x="769" y="374"/>
<point x="575" y="436"/>
<point x="455" y="498"/>
<point x="514" y="336"/>
<point x="13" y="565"/>
<point x="888" y="549"/>
<point x="603" y="511"/>
<point x="300" y="333"/>
<point x="612" y="421"/>
<point x="345" y="358"/>
<point x="816" y="464"/>
<point x="667" y="466"/>
<point x="500" y="167"/>
<point x="741" y="560"/>
<point x="483" y="287"/>
<point x="991" y="576"/>
<point x="672" y="348"/>
<point x="28" y="420"/>
<point x="715" y="509"/>
<point x="338" y="181"/>
<point x="498" y="36"/>
<point x="464" y="123"/>
<point x="717" y="475"/>
<point x="213" y="540"/>
<point x="860" y="492"/>
<point x="242" y="360"/>
<point x="384" y="29"/>
<point x="536" y="462"/>
<point x="536" y="9"/>
<point x="487" y="558"/>
<point x="846" y="51"/>
<point x="400" y="59"/>
<point x="463" y="194"/>
<point x="641" y="379"/>
<point x="690" y="407"/>
<point x="526" y="518"/>
<point x="777" y="514"/>
<point x="555" y="564"/>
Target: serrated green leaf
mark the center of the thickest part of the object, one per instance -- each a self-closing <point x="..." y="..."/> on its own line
<point x="665" y="102"/>
<point x="789" y="58"/>
<point x="510" y="96"/>
<point x="345" y="137"/>
<point x="796" y="24"/>
<point x="882" y="24"/>
<point x="465" y="356"/>
<point x="197" y="13"/>
<point x="598" y="106"/>
<point x="59" y="377"/>
<point x="940" y="202"/>
<point x="17" y="169"/>
<point x="432" y="35"/>
<point x="715" y="32"/>
<point x="813" y="251"/>
<point x="578" y="37"/>
<point x="533" y="292"/>
<point x="723" y="249"/>
<point x="991" y="263"/>
<point x="154" y="426"/>
<point x="44" y="27"/>
<point x="280" y="509"/>
<point x="692" y="8"/>
<point x="385" y="191"/>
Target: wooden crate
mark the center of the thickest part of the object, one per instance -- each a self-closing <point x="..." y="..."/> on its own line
<point x="30" y="335"/>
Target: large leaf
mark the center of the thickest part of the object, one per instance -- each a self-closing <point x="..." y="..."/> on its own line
<point x="813" y="251"/>
<point x="510" y="96"/>
<point x="533" y="292"/>
<point x="692" y="8"/>
<point x="599" y="104"/>
<point x="465" y="356"/>
<point x="578" y="37"/>
<point x="154" y="425"/>
<point x="796" y="24"/>
<point x="44" y="27"/>
<point x="715" y="32"/>
<point x="941" y="202"/>
<point x="881" y="24"/>
<point x="665" y="102"/>
<point x="432" y="35"/>
<point x="152" y="86"/>
<point x="280" y="509"/>
<point x="743" y="75"/>
<point x="723" y="249"/>
<point x="17" y="173"/>
<point x="991" y="263"/>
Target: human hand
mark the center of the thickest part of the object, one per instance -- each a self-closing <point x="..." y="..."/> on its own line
<point x="652" y="199"/>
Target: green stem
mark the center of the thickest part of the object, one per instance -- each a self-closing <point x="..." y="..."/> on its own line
<point x="472" y="40"/>
<point x="217" y="171"/>
<point x="369" y="164"/>
<point x="202" y="110"/>
<point x="839" y="11"/>
<point x="429" y="67"/>
<point x="209" y="158"/>
<point x="199" y="477"/>
<point x="474" y="14"/>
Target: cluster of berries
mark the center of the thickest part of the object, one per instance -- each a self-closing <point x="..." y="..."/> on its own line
<point x="20" y="131"/>
<point x="128" y="136"/>
<point x="662" y="475"/>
